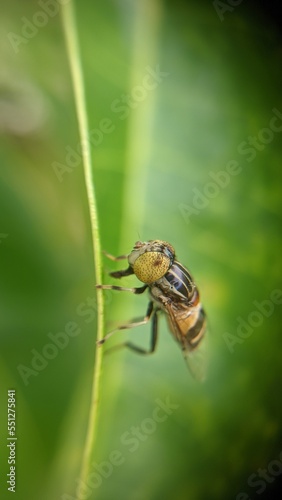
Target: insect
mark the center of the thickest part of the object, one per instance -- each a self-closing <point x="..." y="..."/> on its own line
<point x="172" y="291"/>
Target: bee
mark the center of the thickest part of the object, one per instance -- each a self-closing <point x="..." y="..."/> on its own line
<point x="172" y="291"/>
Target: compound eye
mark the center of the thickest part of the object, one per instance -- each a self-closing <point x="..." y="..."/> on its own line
<point x="151" y="266"/>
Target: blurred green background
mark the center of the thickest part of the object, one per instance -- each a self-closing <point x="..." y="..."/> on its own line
<point x="157" y="141"/>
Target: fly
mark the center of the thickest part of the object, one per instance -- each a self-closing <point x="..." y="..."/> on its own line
<point x="172" y="290"/>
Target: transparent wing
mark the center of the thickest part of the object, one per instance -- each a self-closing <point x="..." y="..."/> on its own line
<point x="197" y="361"/>
<point x="188" y="326"/>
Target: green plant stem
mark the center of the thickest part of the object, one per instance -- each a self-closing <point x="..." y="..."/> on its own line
<point x="70" y="33"/>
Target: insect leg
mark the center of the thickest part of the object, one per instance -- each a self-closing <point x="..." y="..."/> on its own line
<point x="154" y="337"/>
<point x="138" y="349"/>
<point x="122" y="273"/>
<point x="130" y="325"/>
<point x="112" y="257"/>
<point x="136" y="290"/>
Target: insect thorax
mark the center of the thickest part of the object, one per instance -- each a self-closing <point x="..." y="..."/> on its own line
<point x="176" y="287"/>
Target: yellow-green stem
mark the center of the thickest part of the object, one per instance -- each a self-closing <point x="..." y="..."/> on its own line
<point x="72" y="46"/>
